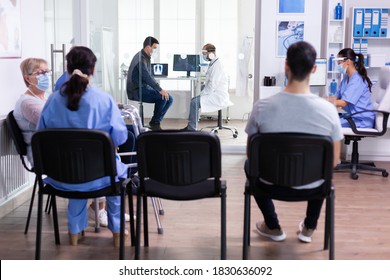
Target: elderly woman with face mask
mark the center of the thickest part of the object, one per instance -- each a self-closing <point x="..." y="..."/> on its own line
<point x="28" y="108"/>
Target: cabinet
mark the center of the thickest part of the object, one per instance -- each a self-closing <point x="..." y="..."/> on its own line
<point x="369" y="35"/>
<point x="334" y="37"/>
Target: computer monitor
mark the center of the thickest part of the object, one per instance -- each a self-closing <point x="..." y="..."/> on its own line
<point x="321" y="75"/>
<point x="159" y="69"/>
<point x="191" y="63"/>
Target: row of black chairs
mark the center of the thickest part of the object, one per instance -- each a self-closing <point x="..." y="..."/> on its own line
<point x="180" y="165"/>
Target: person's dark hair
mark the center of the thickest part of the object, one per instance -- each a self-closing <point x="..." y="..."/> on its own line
<point x="209" y="47"/>
<point x="301" y="57"/>
<point x="358" y="60"/>
<point x="149" y="41"/>
<point x="83" y="59"/>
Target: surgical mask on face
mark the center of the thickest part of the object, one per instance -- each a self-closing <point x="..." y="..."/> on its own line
<point x="204" y="56"/>
<point x="341" y="69"/>
<point x="43" y="82"/>
<point x="153" y="53"/>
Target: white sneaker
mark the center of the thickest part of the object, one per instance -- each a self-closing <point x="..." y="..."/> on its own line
<point x="102" y="215"/>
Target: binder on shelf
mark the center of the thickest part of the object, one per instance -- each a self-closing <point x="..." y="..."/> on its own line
<point x="356" y="45"/>
<point x="358" y="22"/>
<point x="367" y="22"/>
<point x="364" y="50"/>
<point x="375" y="22"/>
<point x="384" y="22"/>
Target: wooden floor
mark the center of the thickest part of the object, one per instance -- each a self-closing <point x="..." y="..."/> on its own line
<point x="191" y="228"/>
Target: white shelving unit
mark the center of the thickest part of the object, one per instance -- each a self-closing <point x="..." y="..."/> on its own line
<point x="334" y="36"/>
<point x="377" y="48"/>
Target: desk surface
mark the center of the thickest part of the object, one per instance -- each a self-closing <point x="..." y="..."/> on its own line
<point x="177" y="78"/>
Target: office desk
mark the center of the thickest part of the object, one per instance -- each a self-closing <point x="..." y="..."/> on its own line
<point x="194" y="82"/>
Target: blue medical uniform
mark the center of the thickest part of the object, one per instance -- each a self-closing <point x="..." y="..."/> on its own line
<point x="97" y="110"/>
<point x="61" y="80"/>
<point x="358" y="96"/>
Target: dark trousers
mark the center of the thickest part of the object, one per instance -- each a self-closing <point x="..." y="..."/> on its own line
<point x="161" y="105"/>
<point x="267" y="207"/>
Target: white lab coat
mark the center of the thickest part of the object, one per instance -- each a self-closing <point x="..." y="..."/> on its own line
<point x="215" y="95"/>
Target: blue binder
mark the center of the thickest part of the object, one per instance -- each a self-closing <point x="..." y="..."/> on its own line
<point x="384" y="22"/>
<point x="375" y="22"/>
<point x="358" y="22"/>
<point x="367" y="22"/>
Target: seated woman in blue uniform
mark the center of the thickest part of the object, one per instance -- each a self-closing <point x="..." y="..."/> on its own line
<point x="354" y="92"/>
<point x="80" y="105"/>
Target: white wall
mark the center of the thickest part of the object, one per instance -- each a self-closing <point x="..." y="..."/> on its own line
<point x="33" y="38"/>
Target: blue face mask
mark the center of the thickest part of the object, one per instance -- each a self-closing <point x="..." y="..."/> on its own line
<point x="204" y="56"/>
<point x="43" y="82"/>
<point x="341" y="69"/>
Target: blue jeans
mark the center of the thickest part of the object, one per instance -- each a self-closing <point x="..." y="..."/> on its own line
<point x="161" y="105"/>
<point x="194" y="113"/>
<point x="267" y="207"/>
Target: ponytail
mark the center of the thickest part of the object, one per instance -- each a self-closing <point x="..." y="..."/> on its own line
<point x="80" y="65"/>
<point x="74" y="89"/>
<point x="359" y="65"/>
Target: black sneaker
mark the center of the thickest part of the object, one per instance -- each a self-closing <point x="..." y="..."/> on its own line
<point x="154" y="126"/>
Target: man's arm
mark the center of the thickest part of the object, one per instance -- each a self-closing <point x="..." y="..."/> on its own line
<point x="336" y="152"/>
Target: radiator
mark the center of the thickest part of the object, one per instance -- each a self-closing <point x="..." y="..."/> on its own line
<point x="13" y="176"/>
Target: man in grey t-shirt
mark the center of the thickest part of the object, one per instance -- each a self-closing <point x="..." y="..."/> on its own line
<point x="295" y="109"/>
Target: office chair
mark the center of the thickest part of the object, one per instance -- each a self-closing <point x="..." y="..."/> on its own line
<point x="354" y="134"/>
<point x="285" y="160"/>
<point x="181" y="166"/>
<point x="220" y="126"/>
<point x="21" y="148"/>
<point x="131" y="112"/>
<point x="75" y="156"/>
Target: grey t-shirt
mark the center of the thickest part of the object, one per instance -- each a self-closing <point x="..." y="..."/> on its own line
<point x="299" y="113"/>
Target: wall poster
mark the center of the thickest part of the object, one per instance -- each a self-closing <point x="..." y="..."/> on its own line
<point x="288" y="32"/>
<point x="10" y="29"/>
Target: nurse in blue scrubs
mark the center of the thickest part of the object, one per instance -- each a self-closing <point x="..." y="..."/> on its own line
<point x="354" y="92"/>
<point x="81" y="105"/>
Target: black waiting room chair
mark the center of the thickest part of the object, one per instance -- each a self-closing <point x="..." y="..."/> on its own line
<point x="181" y="166"/>
<point x="286" y="160"/>
<point x="75" y="156"/>
<point x="21" y="148"/>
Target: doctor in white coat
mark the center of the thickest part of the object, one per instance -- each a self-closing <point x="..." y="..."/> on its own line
<point x="215" y="95"/>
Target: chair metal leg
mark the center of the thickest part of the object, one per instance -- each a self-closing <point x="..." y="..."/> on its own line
<point x="131" y="213"/>
<point x="331" y="226"/>
<point x="246" y="226"/>
<point x="160" y="207"/>
<point x="160" y="229"/>
<point x="122" y="226"/>
<point x="31" y="205"/>
<point x="48" y="204"/>
<point x="219" y="126"/>
<point x="55" y="219"/>
<point x="223" y="223"/>
<point x="146" y="226"/>
<point x="39" y="227"/>
<point x="138" y="228"/>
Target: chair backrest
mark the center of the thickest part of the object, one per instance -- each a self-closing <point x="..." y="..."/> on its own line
<point x="74" y="156"/>
<point x="17" y="137"/>
<point x="383" y="99"/>
<point x="178" y="163"/>
<point x="290" y="159"/>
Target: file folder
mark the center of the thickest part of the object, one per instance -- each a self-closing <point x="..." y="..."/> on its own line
<point x="384" y="22"/>
<point x="356" y="45"/>
<point x="364" y="50"/>
<point x="375" y="22"/>
<point x="367" y="22"/>
<point x="358" y="22"/>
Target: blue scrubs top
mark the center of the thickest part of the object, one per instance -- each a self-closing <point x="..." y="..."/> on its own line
<point x="97" y="110"/>
<point x="358" y="96"/>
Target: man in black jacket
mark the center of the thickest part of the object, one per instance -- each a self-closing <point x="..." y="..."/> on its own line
<point x="141" y="86"/>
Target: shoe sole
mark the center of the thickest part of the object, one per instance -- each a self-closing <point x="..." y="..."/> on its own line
<point x="273" y="237"/>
